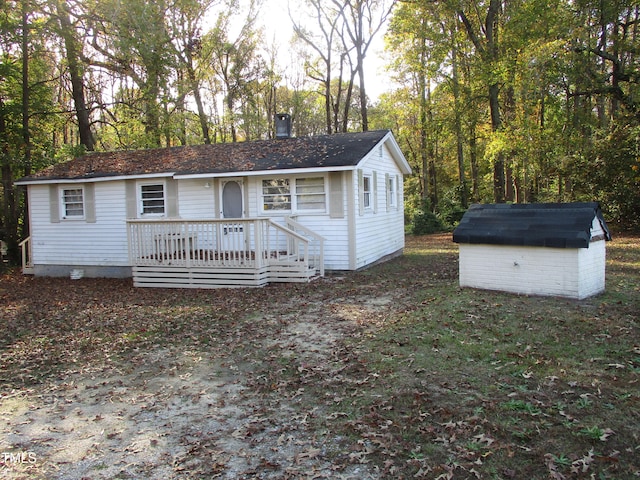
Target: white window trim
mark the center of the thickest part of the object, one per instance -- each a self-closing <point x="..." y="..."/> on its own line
<point x="262" y="197"/>
<point x="367" y="194"/>
<point x="63" y="204"/>
<point x="141" y="213"/>
<point x="294" y="197"/>
<point x="392" y="194"/>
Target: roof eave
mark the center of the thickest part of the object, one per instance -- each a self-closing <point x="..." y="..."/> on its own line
<point x="262" y="173"/>
<point x="183" y="176"/>
<point x="90" y="179"/>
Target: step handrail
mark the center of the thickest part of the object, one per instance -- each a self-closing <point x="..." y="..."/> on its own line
<point x="25" y="246"/>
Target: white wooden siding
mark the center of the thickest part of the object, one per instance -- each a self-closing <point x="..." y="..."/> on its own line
<point x="78" y="242"/>
<point x="197" y="200"/>
<point x="379" y="231"/>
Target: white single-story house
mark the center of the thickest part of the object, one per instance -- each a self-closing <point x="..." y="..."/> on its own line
<point x="230" y="214"/>
<point x="553" y="249"/>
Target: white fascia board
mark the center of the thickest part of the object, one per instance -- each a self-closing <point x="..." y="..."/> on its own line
<point x="396" y="153"/>
<point x="262" y="173"/>
<point x="93" y="179"/>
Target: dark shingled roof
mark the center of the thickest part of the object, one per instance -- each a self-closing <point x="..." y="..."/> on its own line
<point x="338" y="150"/>
<point x="558" y="225"/>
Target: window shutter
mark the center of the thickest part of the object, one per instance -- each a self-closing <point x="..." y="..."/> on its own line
<point x="336" y="195"/>
<point x="361" y="191"/>
<point x="172" y="198"/>
<point x="398" y="191"/>
<point x="54" y="203"/>
<point x="374" y="187"/>
<point x="388" y="190"/>
<point x="90" y="203"/>
<point x="131" y="198"/>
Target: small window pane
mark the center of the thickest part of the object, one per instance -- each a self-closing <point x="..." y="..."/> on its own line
<point x="276" y="194"/>
<point x="152" y="199"/>
<point x="310" y="185"/>
<point x="366" y="191"/>
<point x="392" y="191"/>
<point x="73" y="202"/>
<point x="310" y="194"/>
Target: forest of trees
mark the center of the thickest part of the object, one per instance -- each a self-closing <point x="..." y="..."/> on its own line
<point x="494" y="100"/>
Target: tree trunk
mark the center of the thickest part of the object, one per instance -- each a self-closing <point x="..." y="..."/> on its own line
<point x="347" y="104"/>
<point x="422" y="87"/>
<point x="195" y="87"/>
<point x="489" y="53"/>
<point x="363" y="94"/>
<point x="498" y="164"/>
<point x="462" y="183"/>
<point x="9" y="204"/>
<point x="204" y="122"/>
<point x="152" y="110"/>
<point x="77" y="83"/>
<point x="473" y="159"/>
<point x="26" y="134"/>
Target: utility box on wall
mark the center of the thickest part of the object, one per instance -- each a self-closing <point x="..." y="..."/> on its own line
<point x="553" y="249"/>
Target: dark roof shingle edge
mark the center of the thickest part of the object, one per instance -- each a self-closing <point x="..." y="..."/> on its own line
<point x="555" y="225"/>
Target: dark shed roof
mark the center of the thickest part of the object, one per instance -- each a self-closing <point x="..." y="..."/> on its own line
<point x="558" y="225"/>
<point x="337" y="150"/>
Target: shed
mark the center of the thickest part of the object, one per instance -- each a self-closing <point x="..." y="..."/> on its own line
<point x="553" y="249"/>
<point x="228" y="214"/>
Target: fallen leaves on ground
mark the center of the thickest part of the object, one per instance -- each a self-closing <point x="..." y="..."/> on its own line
<point x="392" y="372"/>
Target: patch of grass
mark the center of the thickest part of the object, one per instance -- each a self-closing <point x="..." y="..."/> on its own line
<point x="554" y="364"/>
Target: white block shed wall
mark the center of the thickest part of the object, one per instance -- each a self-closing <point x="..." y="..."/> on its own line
<point x="566" y="272"/>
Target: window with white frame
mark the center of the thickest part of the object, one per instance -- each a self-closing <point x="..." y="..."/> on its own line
<point x="276" y="194"/>
<point x="294" y="195"/>
<point x="391" y="191"/>
<point x="152" y="199"/>
<point x="310" y="194"/>
<point x="367" y="188"/>
<point x="72" y="203"/>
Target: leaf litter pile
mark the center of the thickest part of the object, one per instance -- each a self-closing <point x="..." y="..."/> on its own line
<point x="392" y="372"/>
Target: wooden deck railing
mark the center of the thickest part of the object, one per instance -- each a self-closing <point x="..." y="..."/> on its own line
<point x="27" y="264"/>
<point x="215" y="243"/>
<point x="316" y="244"/>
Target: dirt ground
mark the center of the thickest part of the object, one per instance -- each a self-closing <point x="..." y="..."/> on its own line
<point x="177" y="409"/>
<point x="172" y="413"/>
<point x="391" y="372"/>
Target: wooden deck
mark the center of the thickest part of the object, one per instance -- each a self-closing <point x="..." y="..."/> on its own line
<point x="222" y="253"/>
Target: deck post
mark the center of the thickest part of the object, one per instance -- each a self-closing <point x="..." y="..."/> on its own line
<point x="259" y="245"/>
